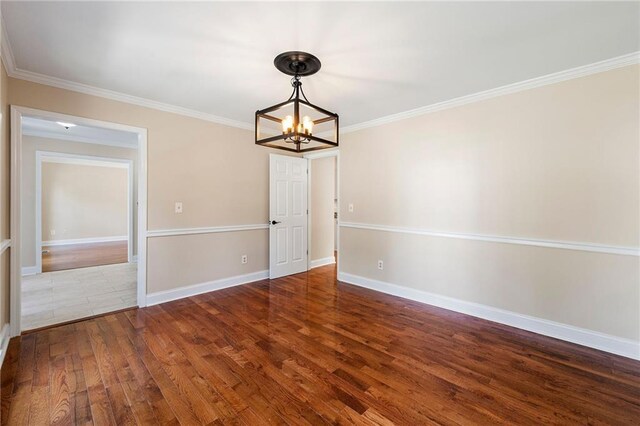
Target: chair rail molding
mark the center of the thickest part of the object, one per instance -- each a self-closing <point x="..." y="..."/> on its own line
<point x="567" y="245"/>
<point x="204" y="230"/>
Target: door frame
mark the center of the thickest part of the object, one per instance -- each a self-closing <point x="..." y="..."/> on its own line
<point x="15" y="306"/>
<point x="41" y="157"/>
<point x="314" y="156"/>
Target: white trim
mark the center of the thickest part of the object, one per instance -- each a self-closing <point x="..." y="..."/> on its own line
<point x="4" y="342"/>
<point x="15" y="72"/>
<point x="63" y="157"/>
<point x="84" y="161"/>
<point x="82" y="121"/>
<point x="207" y="230"/>
<point x="192" y="290"/>
<point x="29" y="270"/>
<point x="84" y="241"/>
<point x="334" y="152"/>
<point x="557" y="77"/>
<point x="322" y="262"/>
<point x="123" y="97"/>
<point x="605" y="342"/>
<point x="567" y="245"/>
<point x="5" y="244"/>
<point x="5" y="48"/>
<point x="581" y="71"/>
<point x="315" y="156"/>
<point x="15" y="279"/>
<point x="16" y="157"/>
<point x="75" y="138"/>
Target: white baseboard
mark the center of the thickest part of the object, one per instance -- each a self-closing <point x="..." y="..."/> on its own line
<point x="84" y="241"/>
<point x="4" y="341"/>
<point x="192" y="290"/>
<point x="29" y="270"/>
<point x="593" y="339"/>
<point x="322" y="262"/>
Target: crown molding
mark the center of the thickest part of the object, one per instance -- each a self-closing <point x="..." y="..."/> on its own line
<point x="122" y="97"/>
<point x="582" y="71"/>
<point x="15" y="72"/>
<point x="6" y="54"/>
<point x="596" y="67"/>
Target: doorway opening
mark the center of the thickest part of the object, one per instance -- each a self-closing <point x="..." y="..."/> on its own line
<point x="78" y="218"/>
<point x="323" y="208"/>
<point x="84" y="207"/>
<point x="304" y="203"/>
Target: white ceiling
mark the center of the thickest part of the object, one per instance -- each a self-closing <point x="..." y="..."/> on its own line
<point x="377" y="58"/>
<point x="87" y="134"/>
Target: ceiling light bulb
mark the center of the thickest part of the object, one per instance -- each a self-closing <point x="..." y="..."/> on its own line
<point x="65" y="125"/>
<point x="307" y="124"/>
<point x="287" y="124"/>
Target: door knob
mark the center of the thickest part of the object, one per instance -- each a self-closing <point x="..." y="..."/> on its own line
<point x="274" y="222"/>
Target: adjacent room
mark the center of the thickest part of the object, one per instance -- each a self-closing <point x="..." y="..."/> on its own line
<point x="367" y="213"/>
<point x="78" y="210"/>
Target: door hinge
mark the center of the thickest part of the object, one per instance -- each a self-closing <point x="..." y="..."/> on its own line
<point x="307" y="211"/>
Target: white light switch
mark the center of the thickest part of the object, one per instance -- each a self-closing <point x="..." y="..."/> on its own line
<point x="178" y="207"/>
<point x="350" y="208"/>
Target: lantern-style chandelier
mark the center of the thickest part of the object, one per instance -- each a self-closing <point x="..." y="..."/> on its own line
<point x="296" y="124"/>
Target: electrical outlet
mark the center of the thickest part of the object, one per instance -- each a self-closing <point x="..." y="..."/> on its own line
<point x="380" y="264"/>
<point x="350" y="208"/>
<point x="178" y="207"/>
<point x="244" y="259"/>
<point x="52" y="232"/>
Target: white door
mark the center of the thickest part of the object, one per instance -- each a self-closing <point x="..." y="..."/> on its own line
<point x="288" y="210"/>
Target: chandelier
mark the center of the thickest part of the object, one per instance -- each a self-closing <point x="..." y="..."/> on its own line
<point x="296" y="124"/>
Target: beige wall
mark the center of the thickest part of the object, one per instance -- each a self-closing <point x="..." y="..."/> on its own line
<point x="84" y="201"/>
<point x="323" y="175"/>
<point x="559" y="162"/>
<point x="206" y="257"/>
<point x="31" y="144"/>
<point x="216" y="171"/>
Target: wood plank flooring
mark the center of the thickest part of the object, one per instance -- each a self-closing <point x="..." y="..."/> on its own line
<point x="307" y="350"/>
<point x="73" y="256"/>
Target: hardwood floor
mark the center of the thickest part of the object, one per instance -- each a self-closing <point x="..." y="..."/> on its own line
<point x="306" y="350"/>
<point x="73" y="256"/>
